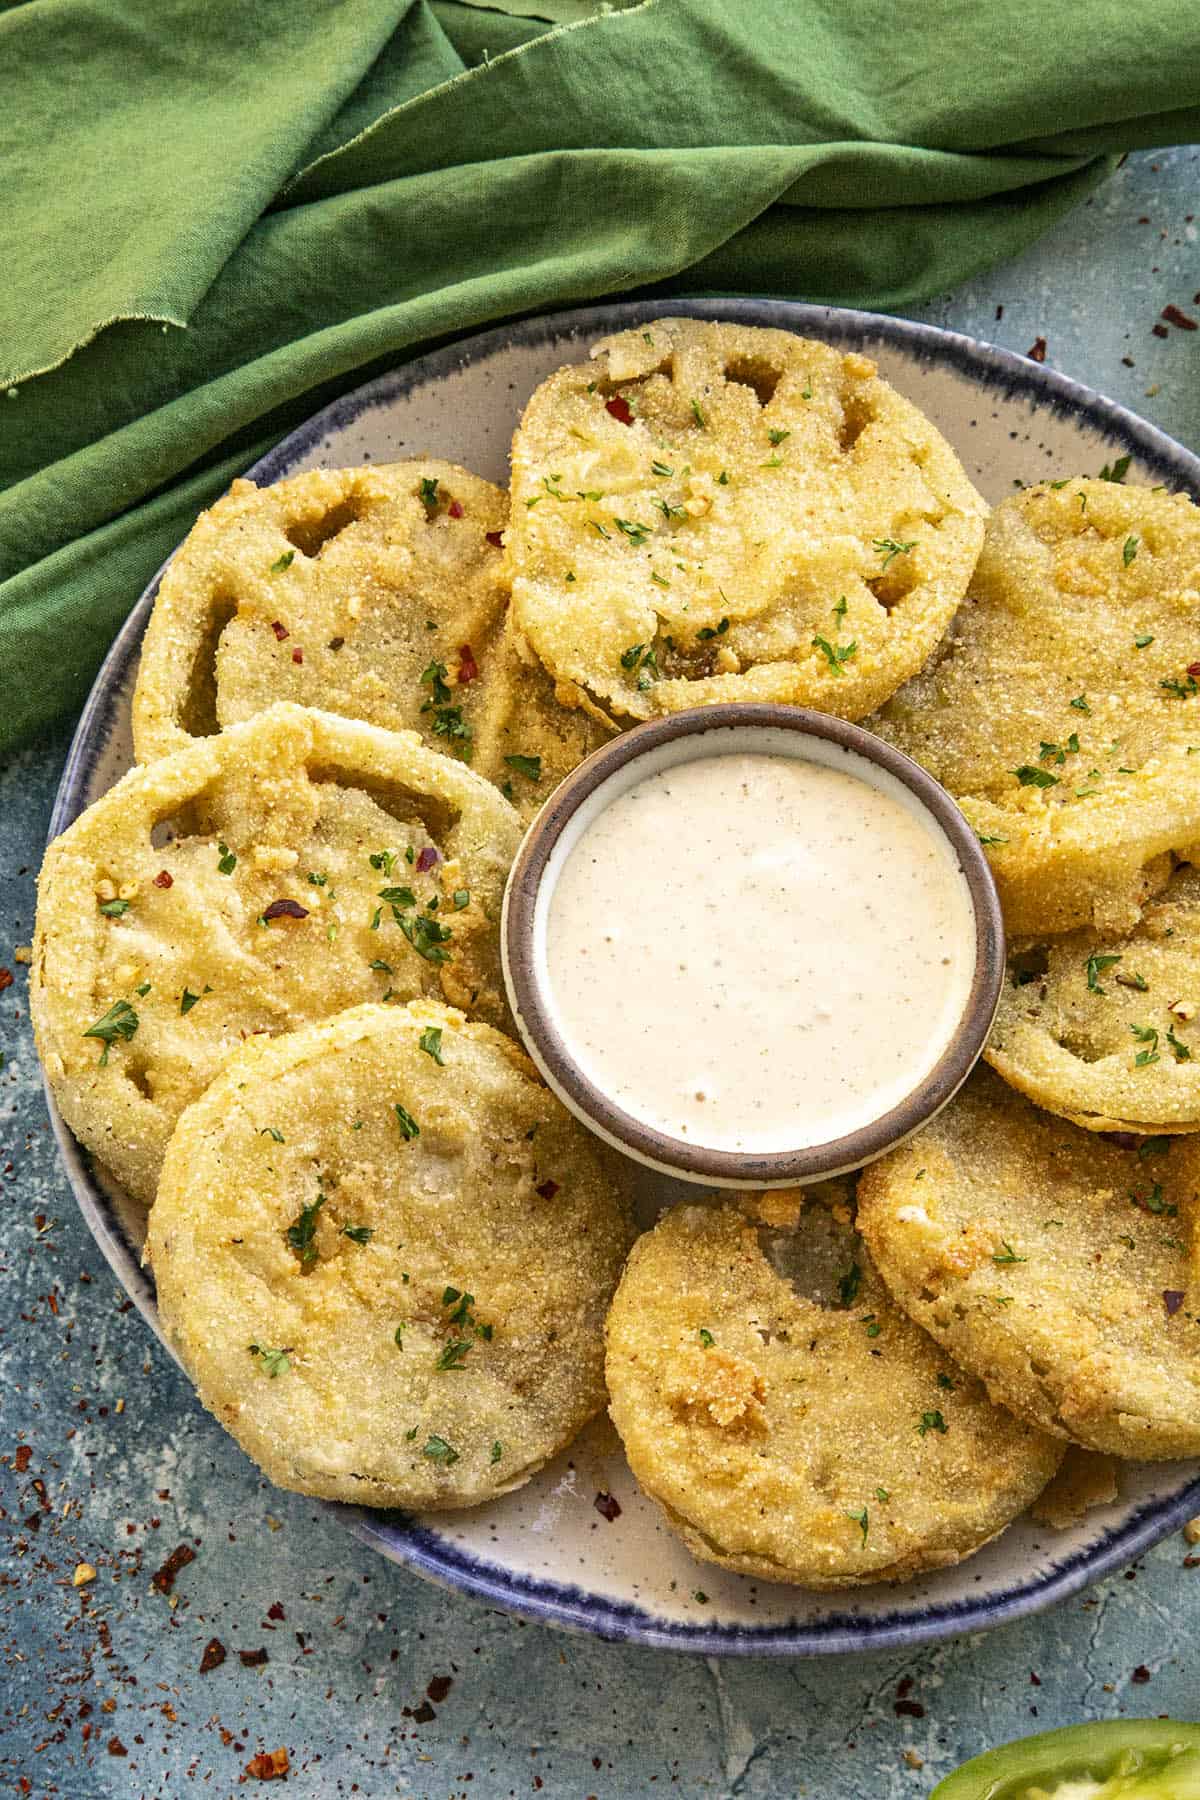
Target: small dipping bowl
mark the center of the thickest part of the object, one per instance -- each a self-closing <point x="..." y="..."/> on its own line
<point x="662" y="745"/>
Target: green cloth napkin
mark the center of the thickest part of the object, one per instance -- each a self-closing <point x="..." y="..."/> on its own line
<point x="218" y="215"/>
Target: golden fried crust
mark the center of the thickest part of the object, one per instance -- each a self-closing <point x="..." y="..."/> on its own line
<point x="486" y="1233"/>
<point x="193" y="855"/>
<point x="697" y="505"/>
<point x="338" y="589"/>
<point x="820" y="1440"/>
<point x="1056" y="1266"/>
<point x="1071" y="662"/>
<point x="1106" y="1031"/>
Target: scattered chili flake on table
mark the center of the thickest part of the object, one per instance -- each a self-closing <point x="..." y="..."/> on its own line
<point x="1037" y="350"/>
<point x="439" y="1687"/>
<point x="1141" y="1675"/>
<point x="268" y="1765"/>
<point x="608" y="1507"/>
<point x="285" y="909"/>
<point x="1175" y="316"/>
<point x="253" y="1659"/>
<point x="180" y="1557"/>
<point x="21" y="1457"/>
<point x="1159" y="330"/>
<point x="6" y="979"/>
<point x="116" y="1747"/>
<point x="213" y="1656"/>
<point x="163" y="879"/>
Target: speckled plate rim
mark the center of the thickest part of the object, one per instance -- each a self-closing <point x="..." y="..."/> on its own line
<point x="426" y="1552"/>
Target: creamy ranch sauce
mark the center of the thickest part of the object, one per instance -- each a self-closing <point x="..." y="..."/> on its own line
<point x="757" y="952"/>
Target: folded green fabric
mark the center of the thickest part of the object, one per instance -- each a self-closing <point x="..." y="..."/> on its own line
<point x="218" y="215"/>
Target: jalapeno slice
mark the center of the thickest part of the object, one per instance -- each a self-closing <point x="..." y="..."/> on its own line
<point x="1122" y="1759"/>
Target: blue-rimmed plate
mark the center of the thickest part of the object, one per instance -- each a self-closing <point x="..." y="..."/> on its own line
<point x="547" y="1552"/>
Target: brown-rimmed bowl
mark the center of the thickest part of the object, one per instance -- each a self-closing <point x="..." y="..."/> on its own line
<point x="707" y="732"/>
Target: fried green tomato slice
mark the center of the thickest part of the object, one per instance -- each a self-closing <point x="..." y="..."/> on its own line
<point x="267" y="877"/>
<point x="1106" y="1031"/>
<point x="1118" y="1759"/>
<point x="384" y="1251"/>
<point x="1063" y="709"/>
<point x="803" y="1429"/>
<point x="709" y="512"/>
<point x="1058" y="1267"/>
<point x="372" y="592"/>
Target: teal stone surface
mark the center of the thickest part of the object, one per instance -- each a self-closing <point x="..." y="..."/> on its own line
<point x="375" y="1683"/>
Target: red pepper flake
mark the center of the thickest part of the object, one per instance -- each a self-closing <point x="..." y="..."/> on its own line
<point x="439" y="1687"/>
<point x="285" y="909"/>
<point x="1035" y="1679"/>
<point x="268" y="1765"/>
<point x="608" y="1507"/>
<point x="1193" y="668"/>
<point x="213" y="1656"/>
<point x="427" y="859"/>
<point x="547" y="1189"/>
<point x="1172" y="1300"/>
<point x="495" y="537"/>
<point x="468" y="668"/>
<point x="297" y="656"/>
<point x="1175" y="316"/>
<point x="908" y="1709"/>
<point x="275" y="1611"/>
<point x="1141" y="1675"/>
<point x="164" y="879"/>
<point x="253" y="1659"/>
<point x="6" y="979"/>
<point x="281" y="631"/>
<point x="21" y="1457"/>
<point x="1037" y="350"/>
<point x="620" y="408"/>
<point x="116" y="1747"/>
<point x="1159" y="331"/>
<point x="180" y="1557"/>
<point x="455" y="509"/>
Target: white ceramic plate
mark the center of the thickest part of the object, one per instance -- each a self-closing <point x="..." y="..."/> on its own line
<point x="547" y="1552"/>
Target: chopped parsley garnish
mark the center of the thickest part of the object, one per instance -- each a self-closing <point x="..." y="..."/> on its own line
<point x="427" y="937"/>
<point x="1153" y="1202"/>
<point x="497" y="1451"/>
<point x="839" y="611"/>
<point x="430" y="1042"/>
<point x="723" y="478"/>
<point x="711" y="631"/>
<point x="863" y="1521"/>
<point x="1129" y="551"/>
<point x="398" y="896"/>
<point x="409" y="1128"/>
<point x="990" y="837"/>
<point x="945" y="1382"/>
<point x="1182" y="690"/>
<point x="187" y="1000"/>
<point x="873" y="1326"/>
<point x="932" y="1421"/>
<point x="1179" y="1049"/>
<point x="114" y="909"/>
<point x="283" y="562"/>
<point x="706" y="1337"/>
<point x="1143" y="640"/>
<point x="776" y="436"/>
<point x="848" y="1284"/>
<point x="1153" y="1146"/>
<point x="384" y="860"/>
<point x="435" y="675"/>
<point x="772" y="462"/>
<point x="429" y="493"/>
<point x="398" y="1340"/>
<point x="1096" y="965"/>
<point x="227" y="861"/>
<point x="1080" y="703"/>
<point x="661" y="469"/>
<point x="835" y="655"/>
<point x="461" y="898"/>
<point x="439" y="1451"/>
<point x="1058" y="753"/>
<point x="1029" y="776"/>
<point x="120" y="1021"/>
<point x="358" y="1234"/>
<point x="301" y="1234"/>
<point x="1116" y="471"/>
<point x="272" y="1362"/>
<point x="448" y="722"/>
<point x="701" y="421"/>
<point x="529" y="766"/>
<point x="1135" y="981"/>
<point x="454" y="1354"/>
<point x="633" y="530"/>
<point x="888" y="548"/>
<point x="643" y="658"/>
<point x="1006" y="1254"/>
<point x="659" y="580"/>
<point x="1145" y="1034"/>
<point x="271" y="1132"/>
<point x="320" y="881"/>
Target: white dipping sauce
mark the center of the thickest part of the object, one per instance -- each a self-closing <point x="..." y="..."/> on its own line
<point x="758" y="952"/>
